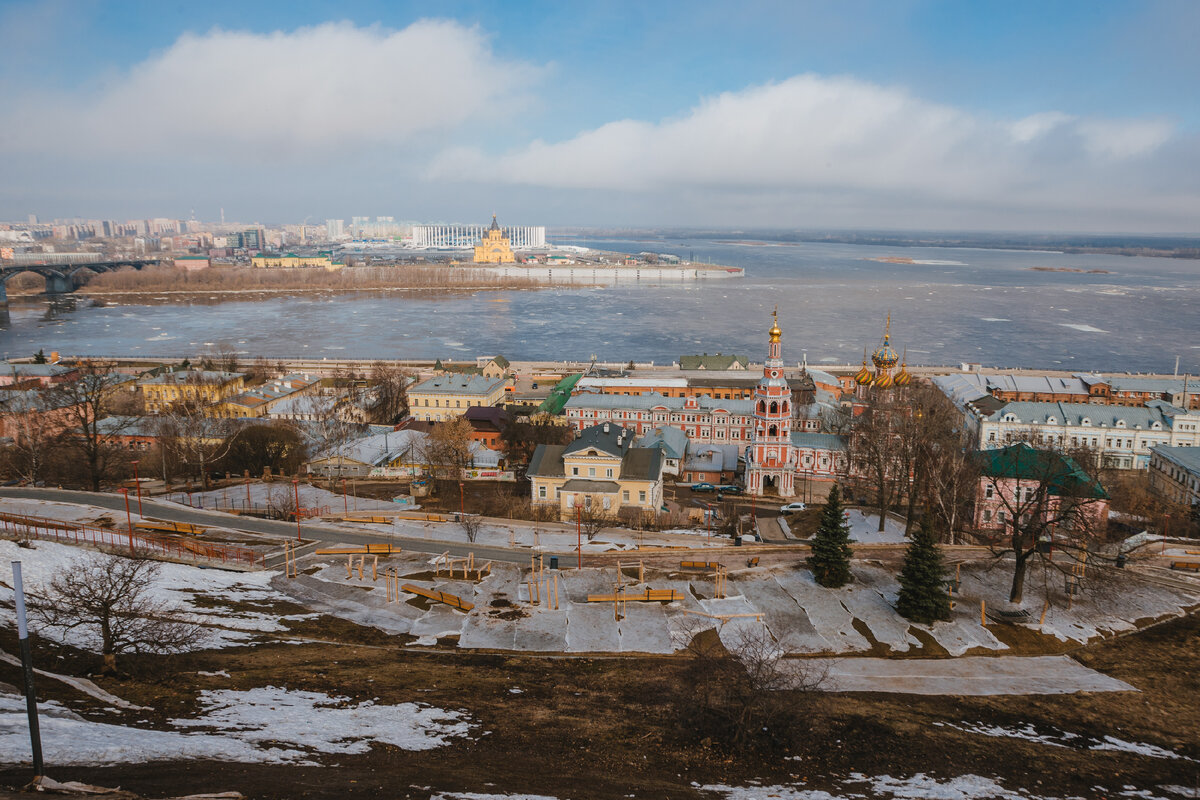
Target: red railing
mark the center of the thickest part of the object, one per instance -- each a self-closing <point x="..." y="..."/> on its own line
<point x="176" y="548"/>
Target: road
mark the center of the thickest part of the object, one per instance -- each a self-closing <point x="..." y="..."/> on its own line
<point x="172" y="512"/>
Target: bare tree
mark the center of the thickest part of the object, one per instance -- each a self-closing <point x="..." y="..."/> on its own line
<point x="741" y="689"/>
<point x="106" y="601"/>
<point x="877" y="455"/>
<point x="1043" y="502"/>
<point x="197" y="439"/>
<point x="448" y="448"/>
<point x="390" y="385"/>
<point x="471" y="525"/>
<point x="87" y="401"/>
<point x="27" y="422"/>
<point x="593" y="519"/>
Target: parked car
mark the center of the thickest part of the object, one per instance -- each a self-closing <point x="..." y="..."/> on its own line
<point x="730" y="488"/>
<point x="703" y="487"/>
<point x="790" y="507"/>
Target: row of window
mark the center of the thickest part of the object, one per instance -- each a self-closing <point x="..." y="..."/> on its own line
<point x="587" y="498"/>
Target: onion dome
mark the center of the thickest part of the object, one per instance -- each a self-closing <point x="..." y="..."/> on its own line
<point x="886" y="356"/>
<point x="904" y="377"/>
<point x="775" y="331"/>
<point x="883" y="380"/>
<point x="864" y="376"/>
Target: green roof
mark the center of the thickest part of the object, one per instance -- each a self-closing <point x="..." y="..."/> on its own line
<point x="559" y="395"/>
<point x="1021" y="461"/>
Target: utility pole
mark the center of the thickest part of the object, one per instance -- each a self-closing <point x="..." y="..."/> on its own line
<point x="35" y="734"/>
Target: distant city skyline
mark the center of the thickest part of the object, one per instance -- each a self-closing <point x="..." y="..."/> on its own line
<point x="1025" y="116"/>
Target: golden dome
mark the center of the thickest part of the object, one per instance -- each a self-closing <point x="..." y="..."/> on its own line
<point x="775" y="331"/>
<point x="864" y="376"/>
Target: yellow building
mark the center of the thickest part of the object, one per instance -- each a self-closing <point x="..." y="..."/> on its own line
<point x="494" y="248"/>
<point x="206" y="386"/>
<point x="259" y="401"/>
<point x="600" y="472"/>
<point x="449" y="396"/>
<point x="293" y="261"/>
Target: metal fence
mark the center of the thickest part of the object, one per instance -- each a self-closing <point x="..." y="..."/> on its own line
<point x="142" y="543"/>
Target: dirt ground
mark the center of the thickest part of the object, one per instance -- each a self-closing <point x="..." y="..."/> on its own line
<point x="614" y="727"/>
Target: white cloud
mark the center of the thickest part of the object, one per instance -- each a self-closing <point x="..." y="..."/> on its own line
<point x="848" y="147"/>
<point x="318" y="90"/>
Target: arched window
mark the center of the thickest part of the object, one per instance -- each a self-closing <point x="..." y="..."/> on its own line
<point x="772" y="431"/>
<point x="774" y="407"/>
<point x="762" y="407"/>
<point x="784" y="407"/>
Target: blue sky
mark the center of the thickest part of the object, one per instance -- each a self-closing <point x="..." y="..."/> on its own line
<point x="1013" y="115"/>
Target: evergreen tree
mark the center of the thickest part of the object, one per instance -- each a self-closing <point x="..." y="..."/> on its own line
<point x="39" y="357"/>
<point x="830" y="559"/>
<point x="923" y="596"/>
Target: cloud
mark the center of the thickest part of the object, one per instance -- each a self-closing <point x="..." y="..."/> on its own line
<point x="849" y="147"/>
<point x="313" y="91"/>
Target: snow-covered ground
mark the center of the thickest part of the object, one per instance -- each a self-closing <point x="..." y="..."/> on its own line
<point x="282" y="492"/>
<point x="203" y="595"/>
<point x="267" y="724"/>
<point x="926" y="787"/>
<point x="864" y="527"/>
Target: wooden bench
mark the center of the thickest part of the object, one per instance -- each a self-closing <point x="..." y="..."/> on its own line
<point x="698" y="565"/>
<point x="644" y="596"/>
<point x="360" y="550"/>
<point x="1190" y="566"/>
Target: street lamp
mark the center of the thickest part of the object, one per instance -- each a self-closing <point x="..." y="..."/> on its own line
<point x="129" y="521"/>
<point x="345" y="502"/>
<point x="137" y="483"/>
<point x="296" y="486"/>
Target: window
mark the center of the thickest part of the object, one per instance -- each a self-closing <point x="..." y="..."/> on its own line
<point x="574" y="470"/>
<point x="607" y="502"/>
<point x="987" y="515"/>
<point x="989" y="492"/>
<point x="608" y="472"/>
<point x="587" y="501"/>
<point x="591" y="472"/>
<point x="542" y="492"/>
<point x="641" y="497"/>
<point x="1000" y="516"/>
<point x="570" y="501"/>
<point x="625" y="495"/>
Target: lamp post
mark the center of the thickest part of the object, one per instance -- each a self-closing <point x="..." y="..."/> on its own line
<point x="345" y="502"/>
<point x="137" y="483"/>
<point x="462" y="500"/>
<point x="579" y="538"/>
<point x="128" y="520"/>
<point x="296" y="487"/>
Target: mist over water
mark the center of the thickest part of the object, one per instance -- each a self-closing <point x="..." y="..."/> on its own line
<point x="971" y="305"/>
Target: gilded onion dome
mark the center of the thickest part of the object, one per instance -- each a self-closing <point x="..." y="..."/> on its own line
<point x="903" y="377"/>
<point x="775" y="331"/>
<point x="864" y="376"/>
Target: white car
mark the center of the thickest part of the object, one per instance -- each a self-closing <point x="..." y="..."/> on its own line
<point x="790" y="507"/>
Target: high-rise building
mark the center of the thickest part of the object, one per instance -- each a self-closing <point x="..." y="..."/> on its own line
<point x="254" y="239"/>
<point x="335" y="229"/>
<point x="33" y="219"/>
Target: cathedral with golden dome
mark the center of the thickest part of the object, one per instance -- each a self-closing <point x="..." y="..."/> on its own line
<point x="495" y="247"/>
<point x="885" y="358"/>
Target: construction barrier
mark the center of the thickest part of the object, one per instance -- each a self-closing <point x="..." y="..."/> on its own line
<point x="178" y="547"/>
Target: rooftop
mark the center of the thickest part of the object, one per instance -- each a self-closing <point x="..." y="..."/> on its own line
<point x="458" y="384"/>
<point x="1186" y="458"/>
<point x="653" y="400"/>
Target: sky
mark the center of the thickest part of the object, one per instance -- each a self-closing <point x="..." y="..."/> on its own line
<point x="896" y="114"/>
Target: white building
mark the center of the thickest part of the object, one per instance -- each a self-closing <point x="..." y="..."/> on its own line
<point x="335" y="229"/>
<point x="1121" y="435"/>
<point x="465" y="237"/>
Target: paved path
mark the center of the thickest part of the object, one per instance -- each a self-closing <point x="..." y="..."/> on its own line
<point x="969" y="675"/>
<point x="174" y="513"/>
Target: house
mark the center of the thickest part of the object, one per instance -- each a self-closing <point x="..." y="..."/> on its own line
<point x="487" y="423"/>
<point x="14" y="374"/>
<point x="448" y="396"/>
<point x="1021" y="480"/>
<point x="292" y="261"/>
<point x="716" y="361"/>
<point x="258" y="401"/>
<point x="600" y="472"/>
<point x="672" y="442"/>
<point x="711" y="463"/>
<point x="390" y="454"/>
<point x="204" y="386"/>
<point x="1175" y="474"/>
<point x="32" y="415"/>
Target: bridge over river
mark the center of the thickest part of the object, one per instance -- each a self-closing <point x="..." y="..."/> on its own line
<point x="60" y="276"/>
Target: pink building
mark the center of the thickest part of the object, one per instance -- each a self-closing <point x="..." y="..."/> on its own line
<point x="1019" y="481"/>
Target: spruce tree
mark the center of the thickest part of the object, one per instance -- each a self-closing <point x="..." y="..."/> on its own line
<point x="923" y="596"/>
<point x="830" y="559"/>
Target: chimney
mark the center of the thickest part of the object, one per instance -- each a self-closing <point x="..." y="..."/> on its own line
<point x="606" y="427"/>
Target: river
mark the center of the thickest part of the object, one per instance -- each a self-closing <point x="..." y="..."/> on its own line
<point x="975" y="305"/>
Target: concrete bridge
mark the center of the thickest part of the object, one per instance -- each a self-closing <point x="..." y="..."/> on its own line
<point x="60" y="277"/>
